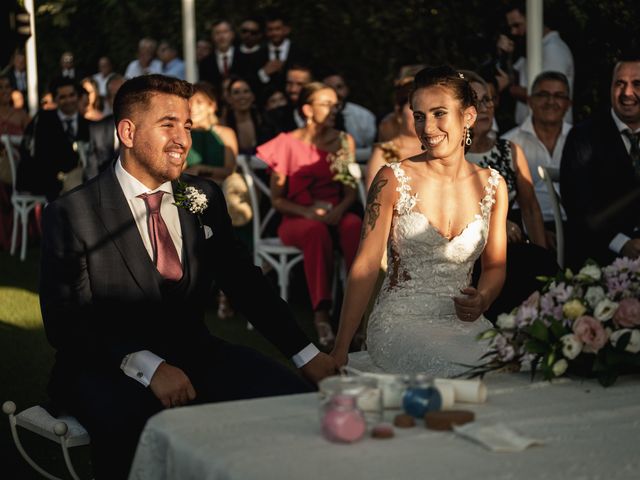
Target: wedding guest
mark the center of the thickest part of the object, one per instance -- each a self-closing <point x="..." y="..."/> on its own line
<point x="126" y="313"/>
<point x="315" y="206"/>
<point x="389" y="126"/>
<point x="244" y="118"/>
<point x="288" y="117"/>
<point x="508" y="158"/>
<point x="542" y="136"/>
<point x="252" y="51"/>
<point x="105" y="70"/>
<point x="17" y="72"/>
<point x="204" y="47"/>
<point x="90" y="101"/>
<point x="274" y="98"/>
<point x="13" y="121"/>
<point x="145" y="63"/>
<point x="103" y="140"/>
<point x="172" y="65"/>
<point x="357" y="121"/>
<point x="404" y="144"/>
<point x="224" y="61"/>
<point x="600" y="174"/>
<point x="556" y="56"/>
<point x="45" y="163"/>
<point x="527" y="255"/>
<point x="68" y="68"/>
<point x="281" y="53"/>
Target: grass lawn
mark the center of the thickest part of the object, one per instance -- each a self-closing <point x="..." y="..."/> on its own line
<point x="26" y="358"/>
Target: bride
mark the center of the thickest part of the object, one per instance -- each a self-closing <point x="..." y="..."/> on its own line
<point x="435" y="213"/>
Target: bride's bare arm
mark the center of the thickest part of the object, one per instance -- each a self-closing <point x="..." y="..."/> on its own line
<point x="494" y="257"/>
<point x="364" y="271"/>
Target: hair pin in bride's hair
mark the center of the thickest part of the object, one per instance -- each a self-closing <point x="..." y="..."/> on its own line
<point x="461" y="75"/>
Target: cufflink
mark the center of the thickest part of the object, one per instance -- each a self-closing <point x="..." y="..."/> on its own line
<point x="139" y="374"/>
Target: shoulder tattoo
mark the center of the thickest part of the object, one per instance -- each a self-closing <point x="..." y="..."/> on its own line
<point x="372" y="211"/>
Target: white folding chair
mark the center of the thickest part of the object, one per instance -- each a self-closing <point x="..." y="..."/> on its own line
<point x="65" y="431"/>
<point x="549" y="175"/>
<point x="270" y="249"/>
<point x="22" y="202"/>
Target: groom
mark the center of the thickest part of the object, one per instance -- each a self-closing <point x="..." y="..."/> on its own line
<point x="126" y="276"/>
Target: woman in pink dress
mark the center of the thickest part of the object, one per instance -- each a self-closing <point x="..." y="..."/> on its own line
<point x="313" y="186"/>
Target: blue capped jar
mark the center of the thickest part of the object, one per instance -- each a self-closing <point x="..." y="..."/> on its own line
<point x="421" y="396"/>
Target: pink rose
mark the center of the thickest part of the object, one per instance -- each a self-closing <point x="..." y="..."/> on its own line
<point x="590" y="332"/>
<point x="628" y="313"/>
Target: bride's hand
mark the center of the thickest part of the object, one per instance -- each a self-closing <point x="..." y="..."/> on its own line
<point x="340" y="357"/>
<point x="470" y="305"/>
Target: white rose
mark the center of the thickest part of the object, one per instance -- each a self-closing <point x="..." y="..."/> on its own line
<point x="506" y="321"/>
<point x="354" y="170"/>
<point x="560" y="367"/>
<point x="571" y="346"/>
<point x="594" y="296"/>
<point x="605" y="310"/>
<point x="590" y="271"/>
<point x="634" y="341"/>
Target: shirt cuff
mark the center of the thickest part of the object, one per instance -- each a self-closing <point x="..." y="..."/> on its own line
<point x="618" y="242"/>
<point x="141" y="366"/>
<point x="305" y="355"/>
<point x="264" y="78"/>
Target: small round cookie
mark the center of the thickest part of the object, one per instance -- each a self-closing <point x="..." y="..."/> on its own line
<point x="403" y="420"/>
<point x="382" y="430"/>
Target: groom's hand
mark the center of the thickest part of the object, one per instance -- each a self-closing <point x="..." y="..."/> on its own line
<point x="172" y="386"/>
<point x="321" y="366"/>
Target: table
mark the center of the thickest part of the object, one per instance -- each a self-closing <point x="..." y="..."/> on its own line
<point x="589" y="432"/>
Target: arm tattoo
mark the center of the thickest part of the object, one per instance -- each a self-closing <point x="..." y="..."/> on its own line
<point x="372" y="212"/>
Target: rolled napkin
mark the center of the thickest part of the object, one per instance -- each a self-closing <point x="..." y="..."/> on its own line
<point x="447" y="392"/>
<point x="466" y="391"/>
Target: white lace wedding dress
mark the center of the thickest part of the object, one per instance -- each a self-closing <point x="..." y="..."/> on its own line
<point x="413" y="326"/>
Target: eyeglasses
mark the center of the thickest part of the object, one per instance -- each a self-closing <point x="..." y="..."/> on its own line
<point x="544" y="95"/>
<point x="325" y="104"/>
<point x="249" y="31"/>
<point x="486" y="101"/>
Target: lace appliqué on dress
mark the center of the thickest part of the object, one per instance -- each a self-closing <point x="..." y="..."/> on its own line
<point x="406" y="201"/>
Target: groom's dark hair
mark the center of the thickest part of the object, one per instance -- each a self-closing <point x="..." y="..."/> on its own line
<point x="137" y="91"/>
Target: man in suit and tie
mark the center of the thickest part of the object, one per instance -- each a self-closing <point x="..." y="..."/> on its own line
<point x="224" y="60"/>
<point x="49" y="149"/>
<point x="103" y="143"/>
<point x="600" y="175"/>
<point x="126" y="275"/>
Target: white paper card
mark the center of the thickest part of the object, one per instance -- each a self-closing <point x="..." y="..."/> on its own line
<point x="497" y="437"/>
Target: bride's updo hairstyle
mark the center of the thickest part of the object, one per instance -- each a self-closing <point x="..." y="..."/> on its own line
<point x="446" y="76"/>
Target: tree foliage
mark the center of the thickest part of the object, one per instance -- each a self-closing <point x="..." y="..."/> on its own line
<point x="368" y="40"/>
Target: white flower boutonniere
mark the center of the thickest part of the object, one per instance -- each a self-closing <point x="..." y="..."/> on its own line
<point x="191" y="199"/>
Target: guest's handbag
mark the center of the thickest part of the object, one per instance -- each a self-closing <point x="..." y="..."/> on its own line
<point x="236" y="193"/>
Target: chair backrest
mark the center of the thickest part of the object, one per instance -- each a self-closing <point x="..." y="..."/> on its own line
<point x="546" y="175"/>
<point x="11" y="142"/>
<point x="254" y="183"/>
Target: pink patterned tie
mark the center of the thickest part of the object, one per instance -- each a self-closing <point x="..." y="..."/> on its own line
<point x="164" y="251"/>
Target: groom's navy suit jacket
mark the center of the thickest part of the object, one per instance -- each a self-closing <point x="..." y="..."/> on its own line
<point x="600" y="189"/>
<point x="102" y="297"/>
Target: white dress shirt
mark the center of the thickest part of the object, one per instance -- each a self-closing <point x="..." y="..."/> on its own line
<point x="538" y="155"/>
<point x="220" y="59"/>
<point x="360" y="123"/>
<point x="620" y="239"/>
<point x="283" y="54"/>
<point x="142" y="365"/>
<point x="134" y="69"/>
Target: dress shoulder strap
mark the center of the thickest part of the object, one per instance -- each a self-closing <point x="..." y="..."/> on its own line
<point x="406" y="201"/>
<point x="486" y="204"/>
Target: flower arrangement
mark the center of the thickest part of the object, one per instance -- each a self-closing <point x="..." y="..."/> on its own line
<point x="586" y="323"/>
<point x="190" y="198"/>
<point x="342" y="164"/>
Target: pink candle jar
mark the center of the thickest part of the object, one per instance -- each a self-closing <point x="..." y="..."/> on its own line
<point x="342" y="421"/>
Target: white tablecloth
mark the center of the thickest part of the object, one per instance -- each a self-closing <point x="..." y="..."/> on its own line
<point x="589" y="432"/>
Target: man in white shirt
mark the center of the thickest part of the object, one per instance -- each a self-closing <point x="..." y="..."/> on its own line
<point x="542" y="135"/>
<point x="600" y="174"/>
<point x="556" y="57"/>
<point x="172" y="65"/>
<point x="358" y="121"/>
<point x="105" y="70"/>
<point x="146" y="63"/>
<point x="125" y="278"/>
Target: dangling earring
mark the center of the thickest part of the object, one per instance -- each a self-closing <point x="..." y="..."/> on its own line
<point x="467" y="135"/>
<point x="308" y="121"/>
